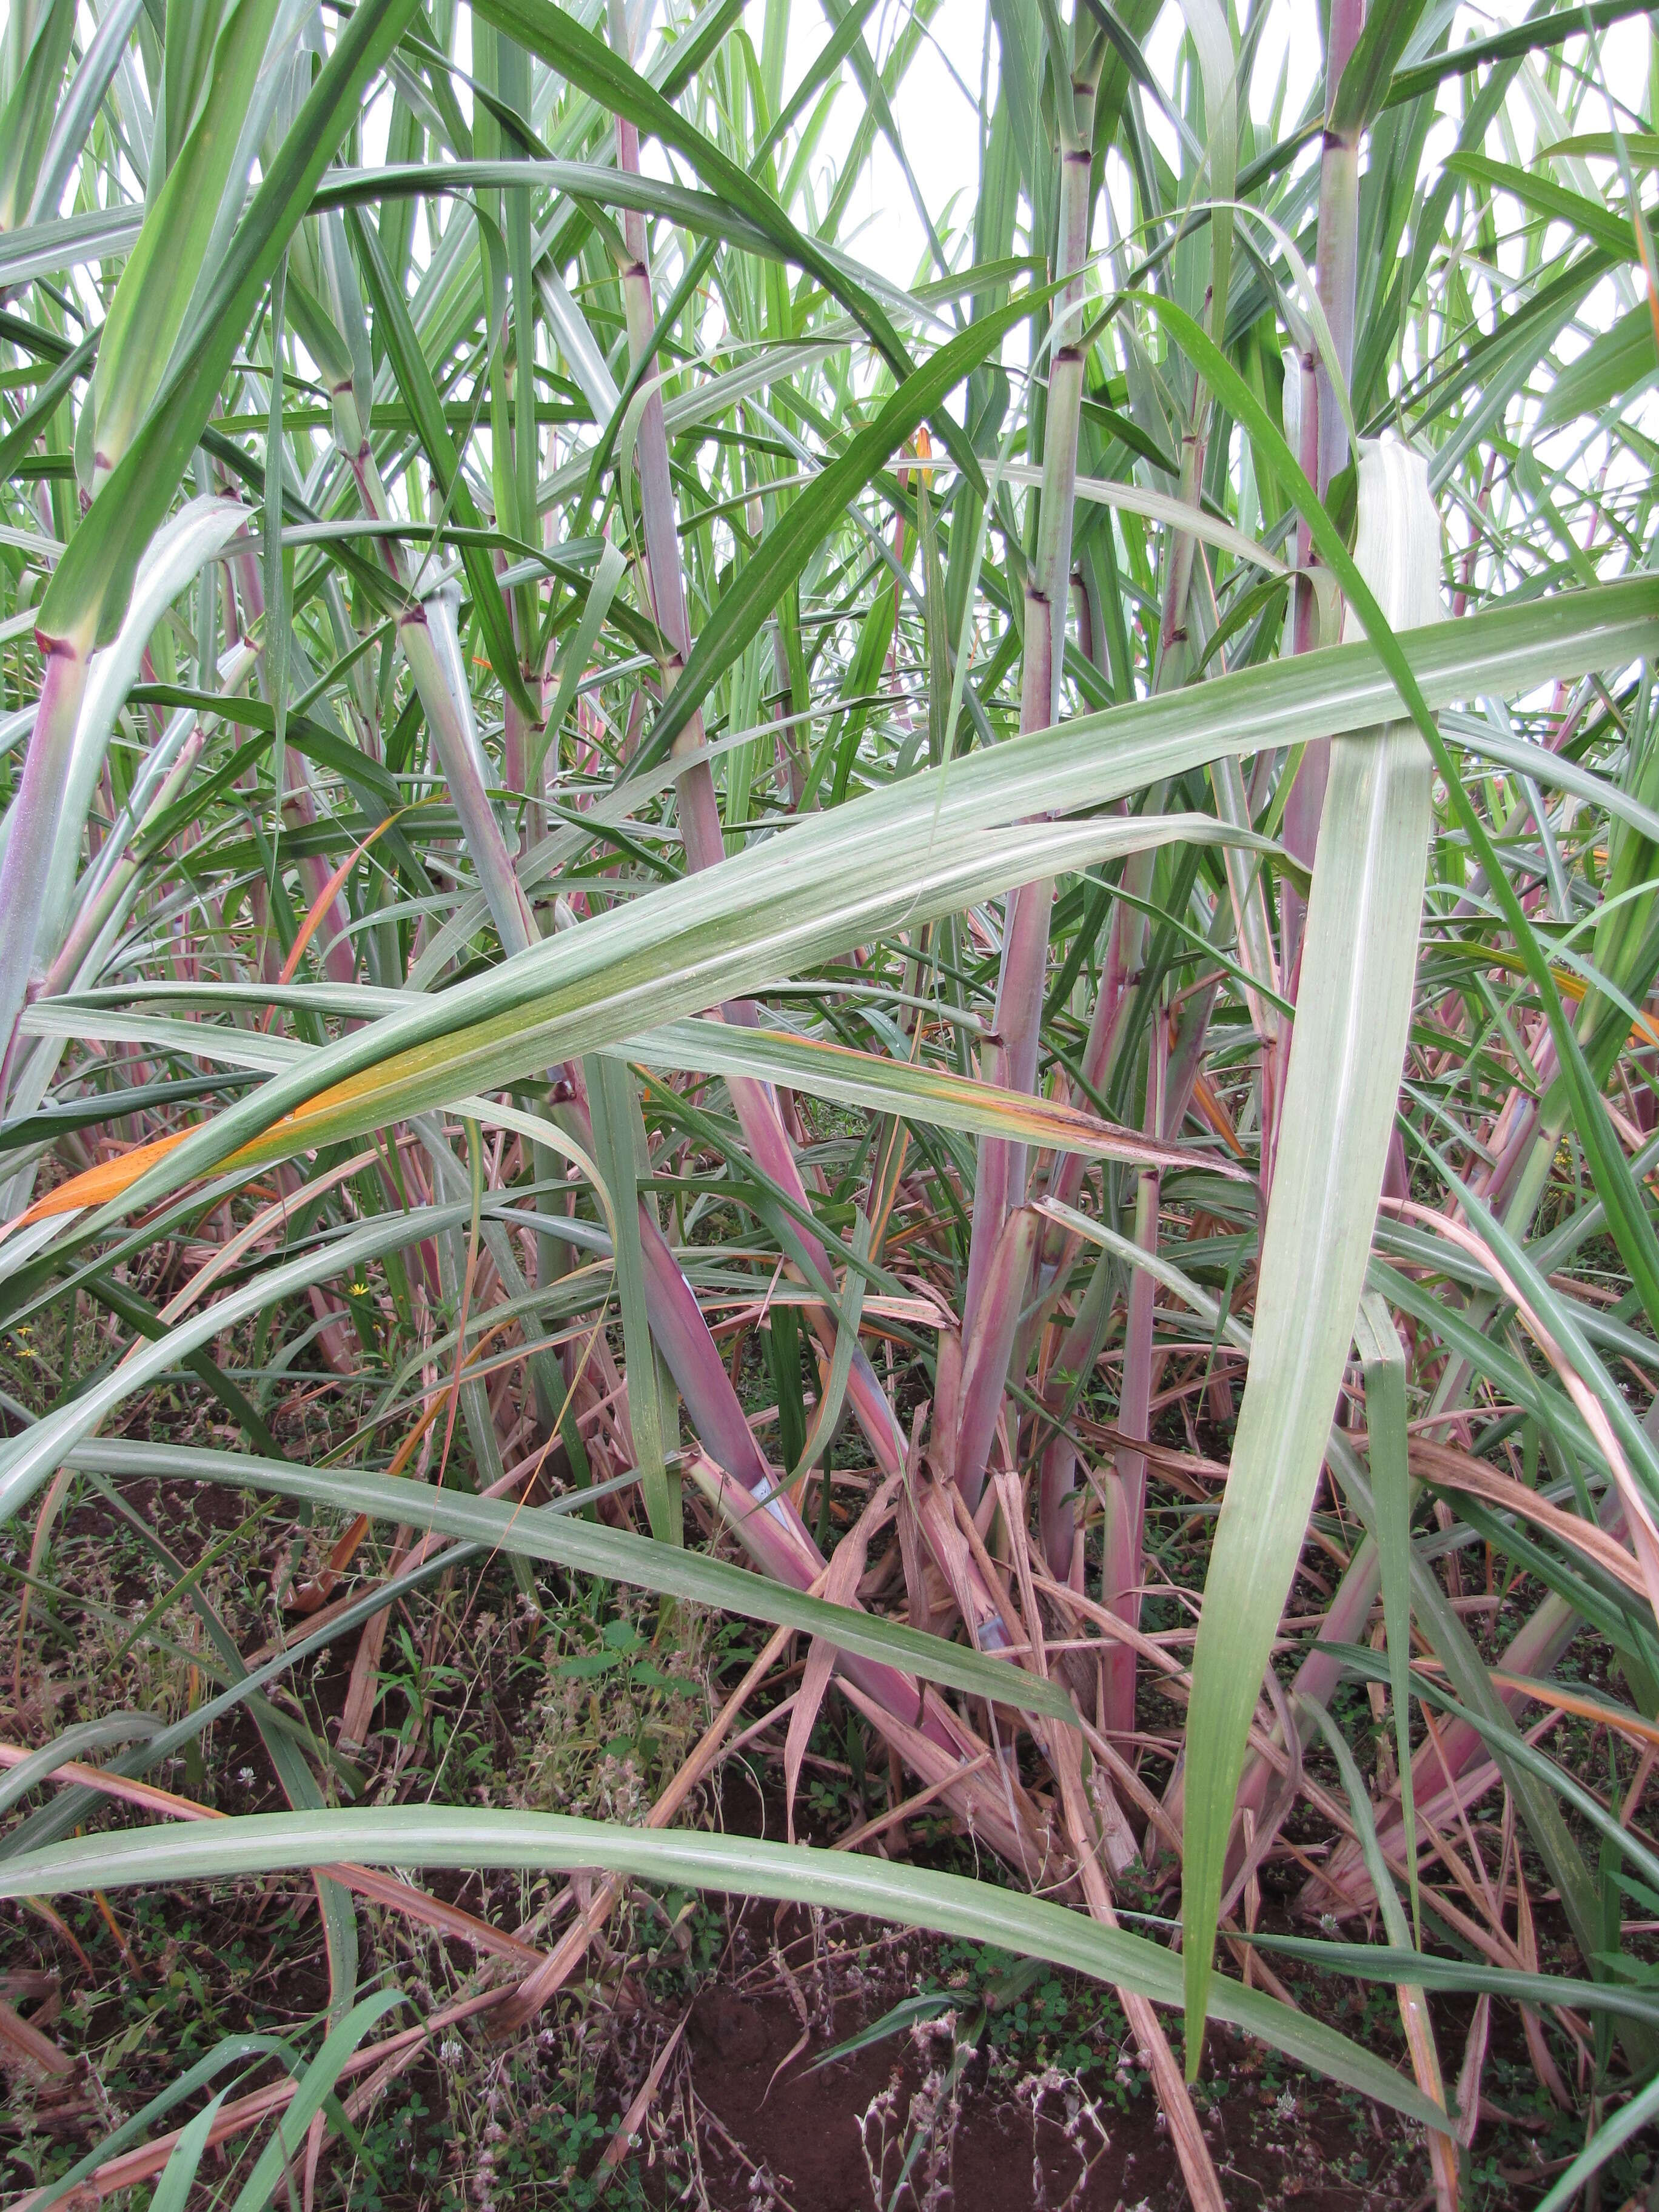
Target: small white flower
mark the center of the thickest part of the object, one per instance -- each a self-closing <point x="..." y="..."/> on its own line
<point x="245" y="1774"/>
<point x="451" y="2051"/>
<point x="1285" y="2107"/>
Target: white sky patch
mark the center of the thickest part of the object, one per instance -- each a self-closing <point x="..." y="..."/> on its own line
<point x="940" y="126"/>
<point x="943" y="101"/>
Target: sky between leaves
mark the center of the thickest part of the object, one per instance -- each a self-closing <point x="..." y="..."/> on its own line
<point x="938" y="111"/>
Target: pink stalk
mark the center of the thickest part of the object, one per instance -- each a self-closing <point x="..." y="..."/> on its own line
<point x="699" y="810"/>
<point x="1324" y="438"/>
<point x="430" y="646"/>
<point x="999" y="1183"/>
<point x="1002" y="1167"/>
<point x="756" y="1103"/>
<point x="985" y="1363"/>
<point x="678" y="1324"/>
<point x="1056" y="1510"/>
<point x="1186" y="1057"/>
<point x="1126" y="944"/>
<point x="1529" y="1121"/>
<point x="1080" y="1347"/>
<point x="1338" y="237"/>
<point x="1122" y="971"/>
<point x="694" y="1361"/>
<point x="1121" y="1572"/>
<point x="772" y="1532"/>
<point x="1108" y="1025"/>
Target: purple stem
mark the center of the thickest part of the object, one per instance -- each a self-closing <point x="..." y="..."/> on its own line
<point x="1121" y="1571"/>
<point x="985" y="1363"/>
<point x="756" y="1103"/>
<point x="1002" y="1167"/>
<point x="1324" y="437"/>
<point x="699" y="809"/>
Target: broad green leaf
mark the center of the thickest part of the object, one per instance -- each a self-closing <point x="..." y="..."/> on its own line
<point x="80" y="107"/>
<point x="86" y="1735"/>
<point x="27" y="118"/>
<point x="908" y="1088"/>
<point x="716" y="935"/>
<point x="1539" y="34"/>
<point x="1616" y="363"/>
<point x="474" y="1837"/>
<point x="612" y="1554"/>
<point x="1382" y="1962"/>
<point x="148" y="313"/>
<point x="1610" y="2138"/>
<point x="619" y="1137"/>
<point x="1352" y="1011"/>
<point x="1088" y="762"/>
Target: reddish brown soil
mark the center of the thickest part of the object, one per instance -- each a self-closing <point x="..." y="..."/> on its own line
<point x="802" y="2132"/>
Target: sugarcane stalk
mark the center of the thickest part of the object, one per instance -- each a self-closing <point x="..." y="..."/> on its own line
<point x="427" y="633"/>
<point x="1002" y="1166"/>
<point x="1127" y="932"/>
<point x="431" y="648"/>
<point x="755" y="1103"/>
<point x="1121" y="1573"/>
<point x="1323" y="441"/>
<point x="699" y="808"/>
<point x="519" y="733"/>
<point x="1108" y="1025"/>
